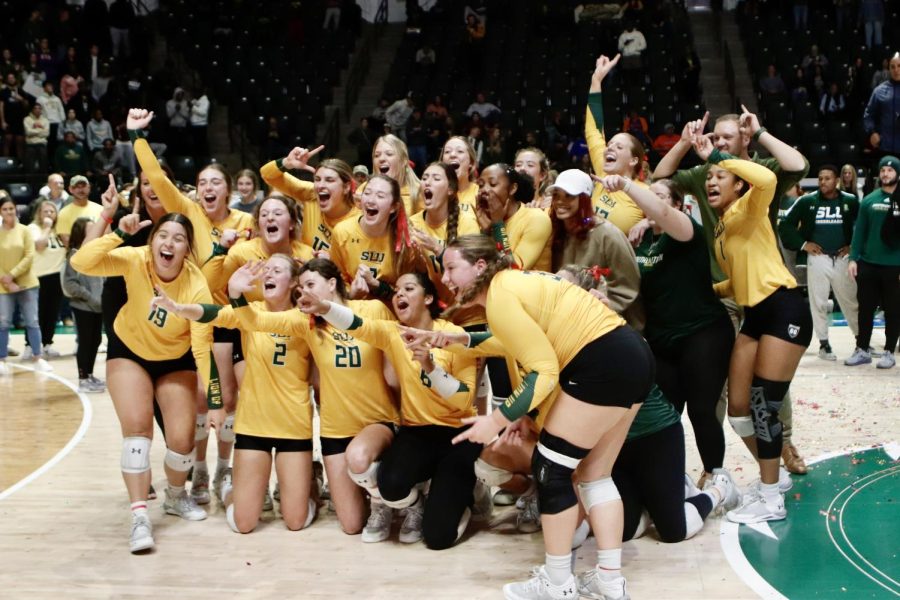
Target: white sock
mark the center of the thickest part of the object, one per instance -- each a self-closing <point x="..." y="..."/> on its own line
<point x="609" y="563"/>
<point x="770" y="491"/>
<point x="176" y="490"/>
<point x="139" y="509"/>
<point x="715" y="494"/>
<point x="559" y="568"/>
<point x="222" y="464"/>
<point x="200" y="466"/>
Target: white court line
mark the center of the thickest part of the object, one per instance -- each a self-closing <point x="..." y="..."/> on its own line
<point x="87" y="414"/>
<point x="731" y="546"/>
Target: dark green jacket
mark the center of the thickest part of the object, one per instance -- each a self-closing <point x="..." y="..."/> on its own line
<point x="796" y="228"/>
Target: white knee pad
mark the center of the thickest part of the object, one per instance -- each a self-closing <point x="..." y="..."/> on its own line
<point x="226" y="434"/>
<point x="135" y="455"/>
<point x="643" y="524"/>
<point x="310" y="514"/>
<point x="692" y="520"/>
<point x="581" y="534"/>
<point x="368" y="479"/>
<point x="200" y="430"/>
<point x="179" y="462"/>
<point x="403" y="502"/>
<point x="743" y="426"/>
<point x="601" y="491"/>
<point x="490" y="475"/>
<point x="229" y="518"/>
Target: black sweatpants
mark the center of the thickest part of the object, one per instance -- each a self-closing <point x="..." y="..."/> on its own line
<point x="49" y="299"/>
<point x="692" y="374"/>
<point x="649" y="474"/>
<point x="425" y="452"/>
<point x="878" y="285"/>
<point x="89" y="326"/>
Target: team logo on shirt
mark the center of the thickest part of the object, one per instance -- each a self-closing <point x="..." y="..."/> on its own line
<point x="793" y="330"/>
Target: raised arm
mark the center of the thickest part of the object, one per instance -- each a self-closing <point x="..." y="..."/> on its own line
<point x="593" y="118"/>
<point x="171" y="198"/>
<point x="669" y="163"/>
<point x="275" y="174"/>
<point x="788" y="158"/>
<point x="674" y="222"/>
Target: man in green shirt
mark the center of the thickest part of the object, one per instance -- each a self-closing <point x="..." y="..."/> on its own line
<point x="819" y="227"/>
<point x="875" y="264"/>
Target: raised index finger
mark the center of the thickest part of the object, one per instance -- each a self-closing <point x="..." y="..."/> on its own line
<point x="137" y="204"/>
<point x="316" y="151"/>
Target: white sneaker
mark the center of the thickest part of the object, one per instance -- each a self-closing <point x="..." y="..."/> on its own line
<point x="825" y="352"/>
<point x="591" y="585"/>
<point x="504" y="498"/>
<point x="411" y="529"/>
<point x="483" y="505"/>
<point x="27" y="354"/>
<point x="267" y="501"/>
<point x="225" y="486"/>
<point x="141" y="534"/>
<point x="731" y="495"/>
<point x="101" y="349"/>
<point x="539" y="587"/>
<point x="378" y="527"/>
<point x="218" y="478"/>
<point x="50" y="352"/>
<point x="757" y="509"/>
<point x="528" y="520"/>
<point x="463" y="523"/>
<point x="200" y="487"/>
<point x="42" y="366"/>
<point x="690" y="488"/>
<point x="886" y="361"/>
<point x="785" y="483"/>
<point x="183" y="506"/>
<point x="4" y="368"/>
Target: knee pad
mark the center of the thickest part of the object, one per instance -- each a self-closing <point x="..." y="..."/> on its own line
<point x="179" y="462"/>
<point x="601" y="491"/>
<point x="200" y="430"/>
<point x="135" y="455"/>
<point x="226" y="434"/>
<point x="552" y="464"/>
<point x="368" y="479"/>
<point x="490" y="475"/>
<point x="310" y="513"/>
<point x="743" y="426"/>
<point x="229" y="518"/>
<point x="765" y="402"/>
<point x="403" y="502"/>
<point x="693" y="522"/>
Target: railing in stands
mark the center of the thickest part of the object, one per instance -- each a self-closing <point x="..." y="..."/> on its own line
<point x="361" y="62"/>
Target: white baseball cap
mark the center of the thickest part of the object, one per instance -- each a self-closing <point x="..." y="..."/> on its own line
<point x="573" y="182"/>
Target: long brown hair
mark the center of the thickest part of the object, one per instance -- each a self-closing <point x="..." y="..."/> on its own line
<point x="584" y="223"/>
<point x="452" y="199"/>
<point x="293" y="210"/>
<point x="344" y="172"/>
<point x="328" y="270"/>
<point x="473" y="248"/>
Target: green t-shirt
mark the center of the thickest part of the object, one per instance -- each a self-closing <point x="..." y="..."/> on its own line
<point x="676" y="286"/>
<point x="867" y="243"/>
<point x="693" y="181"/>
<point x="828" y="230"/>
<point x="656" y="414"/>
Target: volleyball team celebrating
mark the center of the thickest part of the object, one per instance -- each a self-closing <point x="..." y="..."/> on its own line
<point x="386" y="309"/>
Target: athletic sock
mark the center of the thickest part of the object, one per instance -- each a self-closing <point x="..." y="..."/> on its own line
<point x="704" y="503"/>
<point x="139" y="508"/>
<point x="175" y="490"/>
<point x="559" y="568"/>
<point x="222" y="464"/>
<point x="609" y="563"/>
<point x="769" y="491"/>
<point x="200" y="466"/>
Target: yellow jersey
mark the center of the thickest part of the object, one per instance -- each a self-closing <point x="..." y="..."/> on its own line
<point x="745" y="243"/>
<point x="275" y="389"/>
<point x="529" y="234"/>
<point x="315" y="228"/>
<point x="219" y="269"/>
<point x="468" y="196"/>
<point x="154" y="334"/>
<point x="352" y="247"/>
<point x="616" y="207"/>
<point x="353" y="391"/>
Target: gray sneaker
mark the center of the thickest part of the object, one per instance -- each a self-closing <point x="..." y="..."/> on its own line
<point x="528" y="520"/>
<point x="183" y="506"/>
<point x="141" y="534"/>
<point x="200" y="487"/>
<point x="886" y="361"/>
<point x="825" y="351"/>
<point x="483" y="506"/>
<point x="411" y="529"/>
<point x="591" y="585"/>
<point x="859" y="357"/>
<point x="378" y="527"/>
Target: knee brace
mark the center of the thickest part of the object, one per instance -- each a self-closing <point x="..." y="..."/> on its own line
<point x="601" y="491"/>
<point x="552" y="464"/>
<point x="179" y="462"/>
<point x="490" y="475"/>
<point x="743" y="426"/>
<point x="403" y="502"/>
<point x="368" y="479"/>
<point x="765" y="402"/>
<point x="226" y="434"/>
<point x="200" y="430"/>
<point x="135" y="455"/>
<point x="229" y="518"/>
<point x="310" y="513"/>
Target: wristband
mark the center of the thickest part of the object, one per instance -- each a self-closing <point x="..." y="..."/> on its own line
<point x="238" y="302"/>
<point x="122" y="234"/>
<point x="758" y="133"/>
<point x="135" y="134"/>
<point x="107" y="219"/>
<point x="280" y="164"/>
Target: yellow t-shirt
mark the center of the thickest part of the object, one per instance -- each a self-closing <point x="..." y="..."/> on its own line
<point x="353" y="392"/>
<point x="351" y="247"/>
<point x="153" y="335"/>
<point x="530" y="233"/>
<point x="468" y="196"/>
<point x="72" y="212"/>
<point x="51" y="259"/>
<point x="275" y="390"/>
<point x="316" y="228"/>
<point x="17" y="256"/>
<point x="220" y="269"/>
<point x="745" y="243"/>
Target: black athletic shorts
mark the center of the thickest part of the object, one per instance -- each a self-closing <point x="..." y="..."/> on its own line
<point x="332" y="446"/>
<point x="267" y="444"/>
<point x="225" y="335"/>
<point x="616" y="369"/>
<point x="116" y="348"/>
<point x="784" y="314"/>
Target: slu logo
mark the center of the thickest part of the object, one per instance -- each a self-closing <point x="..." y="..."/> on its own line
<point x="793" y="330"/>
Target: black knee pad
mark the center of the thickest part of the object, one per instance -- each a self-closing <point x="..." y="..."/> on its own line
<point x="552" y="464"/>
<point x="765" y="402"/>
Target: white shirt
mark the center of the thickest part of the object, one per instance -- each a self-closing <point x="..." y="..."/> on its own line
<point x="632" y="43"/>
<point x="200" y="111"/>
<point x="53" y="108"/>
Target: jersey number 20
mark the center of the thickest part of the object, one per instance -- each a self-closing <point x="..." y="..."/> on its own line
<point x="347" y="356"/>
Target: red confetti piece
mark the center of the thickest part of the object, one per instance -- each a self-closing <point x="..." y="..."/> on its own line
<point x="796" y="496"/>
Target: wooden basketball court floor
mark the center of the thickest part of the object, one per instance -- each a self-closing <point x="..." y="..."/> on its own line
<point x="64" y="519"/>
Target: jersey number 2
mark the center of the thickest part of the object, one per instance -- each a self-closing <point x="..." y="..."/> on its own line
<point x="280" y="353"/>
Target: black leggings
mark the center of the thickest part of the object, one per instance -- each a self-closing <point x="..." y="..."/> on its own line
<point x="426" y="452"/>
<point x="49" y="298"/>
<point x="878" y="285"/>
<point x="89" y="326"/>
<point x="692" y="373"/>
<point x="649" y="474"/>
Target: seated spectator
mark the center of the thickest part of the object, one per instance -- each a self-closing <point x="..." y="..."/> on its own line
<point x="363" y="138"/>
<point x="397" y="115"/>
<point x="495" y="150"/>
<point x="475" y="28"/>
<point x="813" y="59"/>
<point x="71" y="125"/>
<point x="817" y="81"/>
<point x="34" y="77"/>
<point x="98" y="129"/>
<point x="37" y="130"/>
<point x="483" y="108"/>
<point x="417" y="141"/>
<point x="108" y="162"/>
<point x="474" y="139"/>
<point x="772" y="84"/>
<point x="426" y="57"/>
<point x="82" y="102"/>
<point x="666" y="140"/>
<point x="833" y="104"/>
<point x="631" y="44"/>
<point x="55" y="191"/>
<point x="54" y="111"/>
<point x="70" y="158"/>
<point x="800" y="90"/>
<point x="881" y="75"/>
<point x="636" y="125"/>
<point x="376" y="117"/>
<point x="200" y="123"/>
<point x="436" y="109"/>
<point x="179" y="113"/>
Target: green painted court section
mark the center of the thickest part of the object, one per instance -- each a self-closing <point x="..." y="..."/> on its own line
<point x="842" y="535"/>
